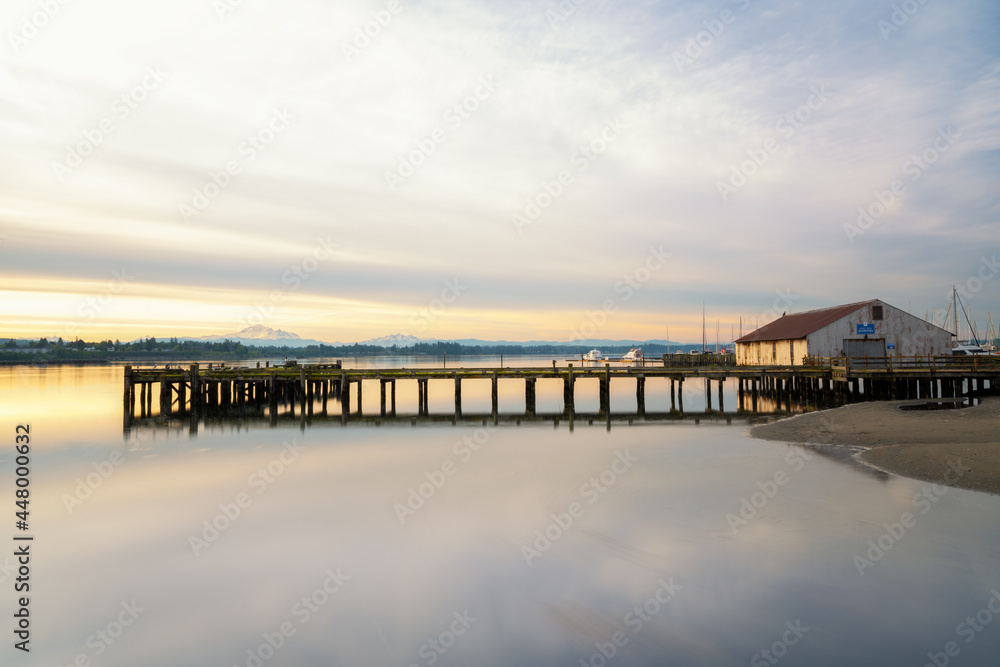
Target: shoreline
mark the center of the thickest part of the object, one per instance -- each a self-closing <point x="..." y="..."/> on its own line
<point x="959" y="447"/>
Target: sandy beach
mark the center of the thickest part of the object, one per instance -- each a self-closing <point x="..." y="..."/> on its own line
<point x="956" y="447"/>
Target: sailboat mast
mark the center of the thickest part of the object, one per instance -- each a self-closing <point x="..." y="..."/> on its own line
<point x="703" y="343"/>
<point x="954" y="308"/>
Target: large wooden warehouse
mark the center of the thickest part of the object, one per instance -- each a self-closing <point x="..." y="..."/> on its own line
<point x="867" y="328"/>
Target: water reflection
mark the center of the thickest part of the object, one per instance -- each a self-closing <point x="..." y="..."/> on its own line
<point x="363" y="543"/>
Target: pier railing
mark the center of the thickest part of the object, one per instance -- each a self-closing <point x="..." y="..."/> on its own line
<point x="844" y="365"/>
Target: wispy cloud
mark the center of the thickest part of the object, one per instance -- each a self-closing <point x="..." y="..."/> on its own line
<point x="557" y="84"/>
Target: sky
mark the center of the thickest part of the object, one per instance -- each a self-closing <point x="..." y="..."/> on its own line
<point x="518" y="170"/>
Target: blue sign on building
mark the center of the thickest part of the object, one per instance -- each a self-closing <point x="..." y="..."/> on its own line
<point x="866" y="329"/>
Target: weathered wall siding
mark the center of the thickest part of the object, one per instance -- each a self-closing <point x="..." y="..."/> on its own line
<point x="911" y="335"/>
<point x="779" y="352"/>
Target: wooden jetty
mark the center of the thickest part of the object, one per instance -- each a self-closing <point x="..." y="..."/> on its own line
<point x="279" y="390"/>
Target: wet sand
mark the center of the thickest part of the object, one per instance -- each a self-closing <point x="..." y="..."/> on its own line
<point x="956" y="447"/>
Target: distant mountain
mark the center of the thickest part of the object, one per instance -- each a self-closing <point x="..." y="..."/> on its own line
<point x="402" y="340"/>
<point x="259" y="331"/>
<point x="260" y="335"/>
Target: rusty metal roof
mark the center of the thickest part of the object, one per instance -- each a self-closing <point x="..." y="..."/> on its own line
<point x="800" y="325"/>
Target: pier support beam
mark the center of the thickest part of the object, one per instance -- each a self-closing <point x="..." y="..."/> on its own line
<point x="195" y="391"/>
<point x="605" y="391"/>
<point x="494" y="396"/>
<point x="345" y="396"/>
<point x="166" y="394"/>
<point x="640" y="395"/>
<point x="569" y="404"/>
<point x="529" y="396"/>
<point x="458" y="396"/>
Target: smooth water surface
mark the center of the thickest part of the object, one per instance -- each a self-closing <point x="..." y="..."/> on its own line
<point x="245" y="544"/>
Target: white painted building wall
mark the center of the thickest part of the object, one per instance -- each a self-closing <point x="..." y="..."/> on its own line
<point x="911" y="336"/>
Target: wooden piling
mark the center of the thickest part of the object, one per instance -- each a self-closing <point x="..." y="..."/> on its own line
<point x="529" y="396"/>
<point x="569" y="403"/>
<point x="195" y="391"/>
<point x="345" y="395"/>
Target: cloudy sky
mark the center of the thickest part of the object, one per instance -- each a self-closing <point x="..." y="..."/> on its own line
<point x="517" y="170"/>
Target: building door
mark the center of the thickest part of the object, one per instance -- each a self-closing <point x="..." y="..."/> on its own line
<point x="858" y="349"/>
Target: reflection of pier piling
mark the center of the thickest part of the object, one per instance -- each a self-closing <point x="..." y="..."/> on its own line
<point x="277" y="392"/>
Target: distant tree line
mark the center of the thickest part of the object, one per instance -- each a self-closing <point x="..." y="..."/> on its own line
<point x="151" y="348"/>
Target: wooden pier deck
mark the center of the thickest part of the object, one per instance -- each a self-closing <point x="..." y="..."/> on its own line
<point x="279" y="390"/>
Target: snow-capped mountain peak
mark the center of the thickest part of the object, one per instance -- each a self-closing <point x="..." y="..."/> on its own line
<point x="260" y="332"/>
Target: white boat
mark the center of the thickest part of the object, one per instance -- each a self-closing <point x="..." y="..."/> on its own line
<point x="968" y="350"/>
<point x="635" y="354"/>
<point x="593" y="355"/>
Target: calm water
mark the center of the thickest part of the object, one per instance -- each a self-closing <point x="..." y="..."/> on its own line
<point x="245" y="544"/>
